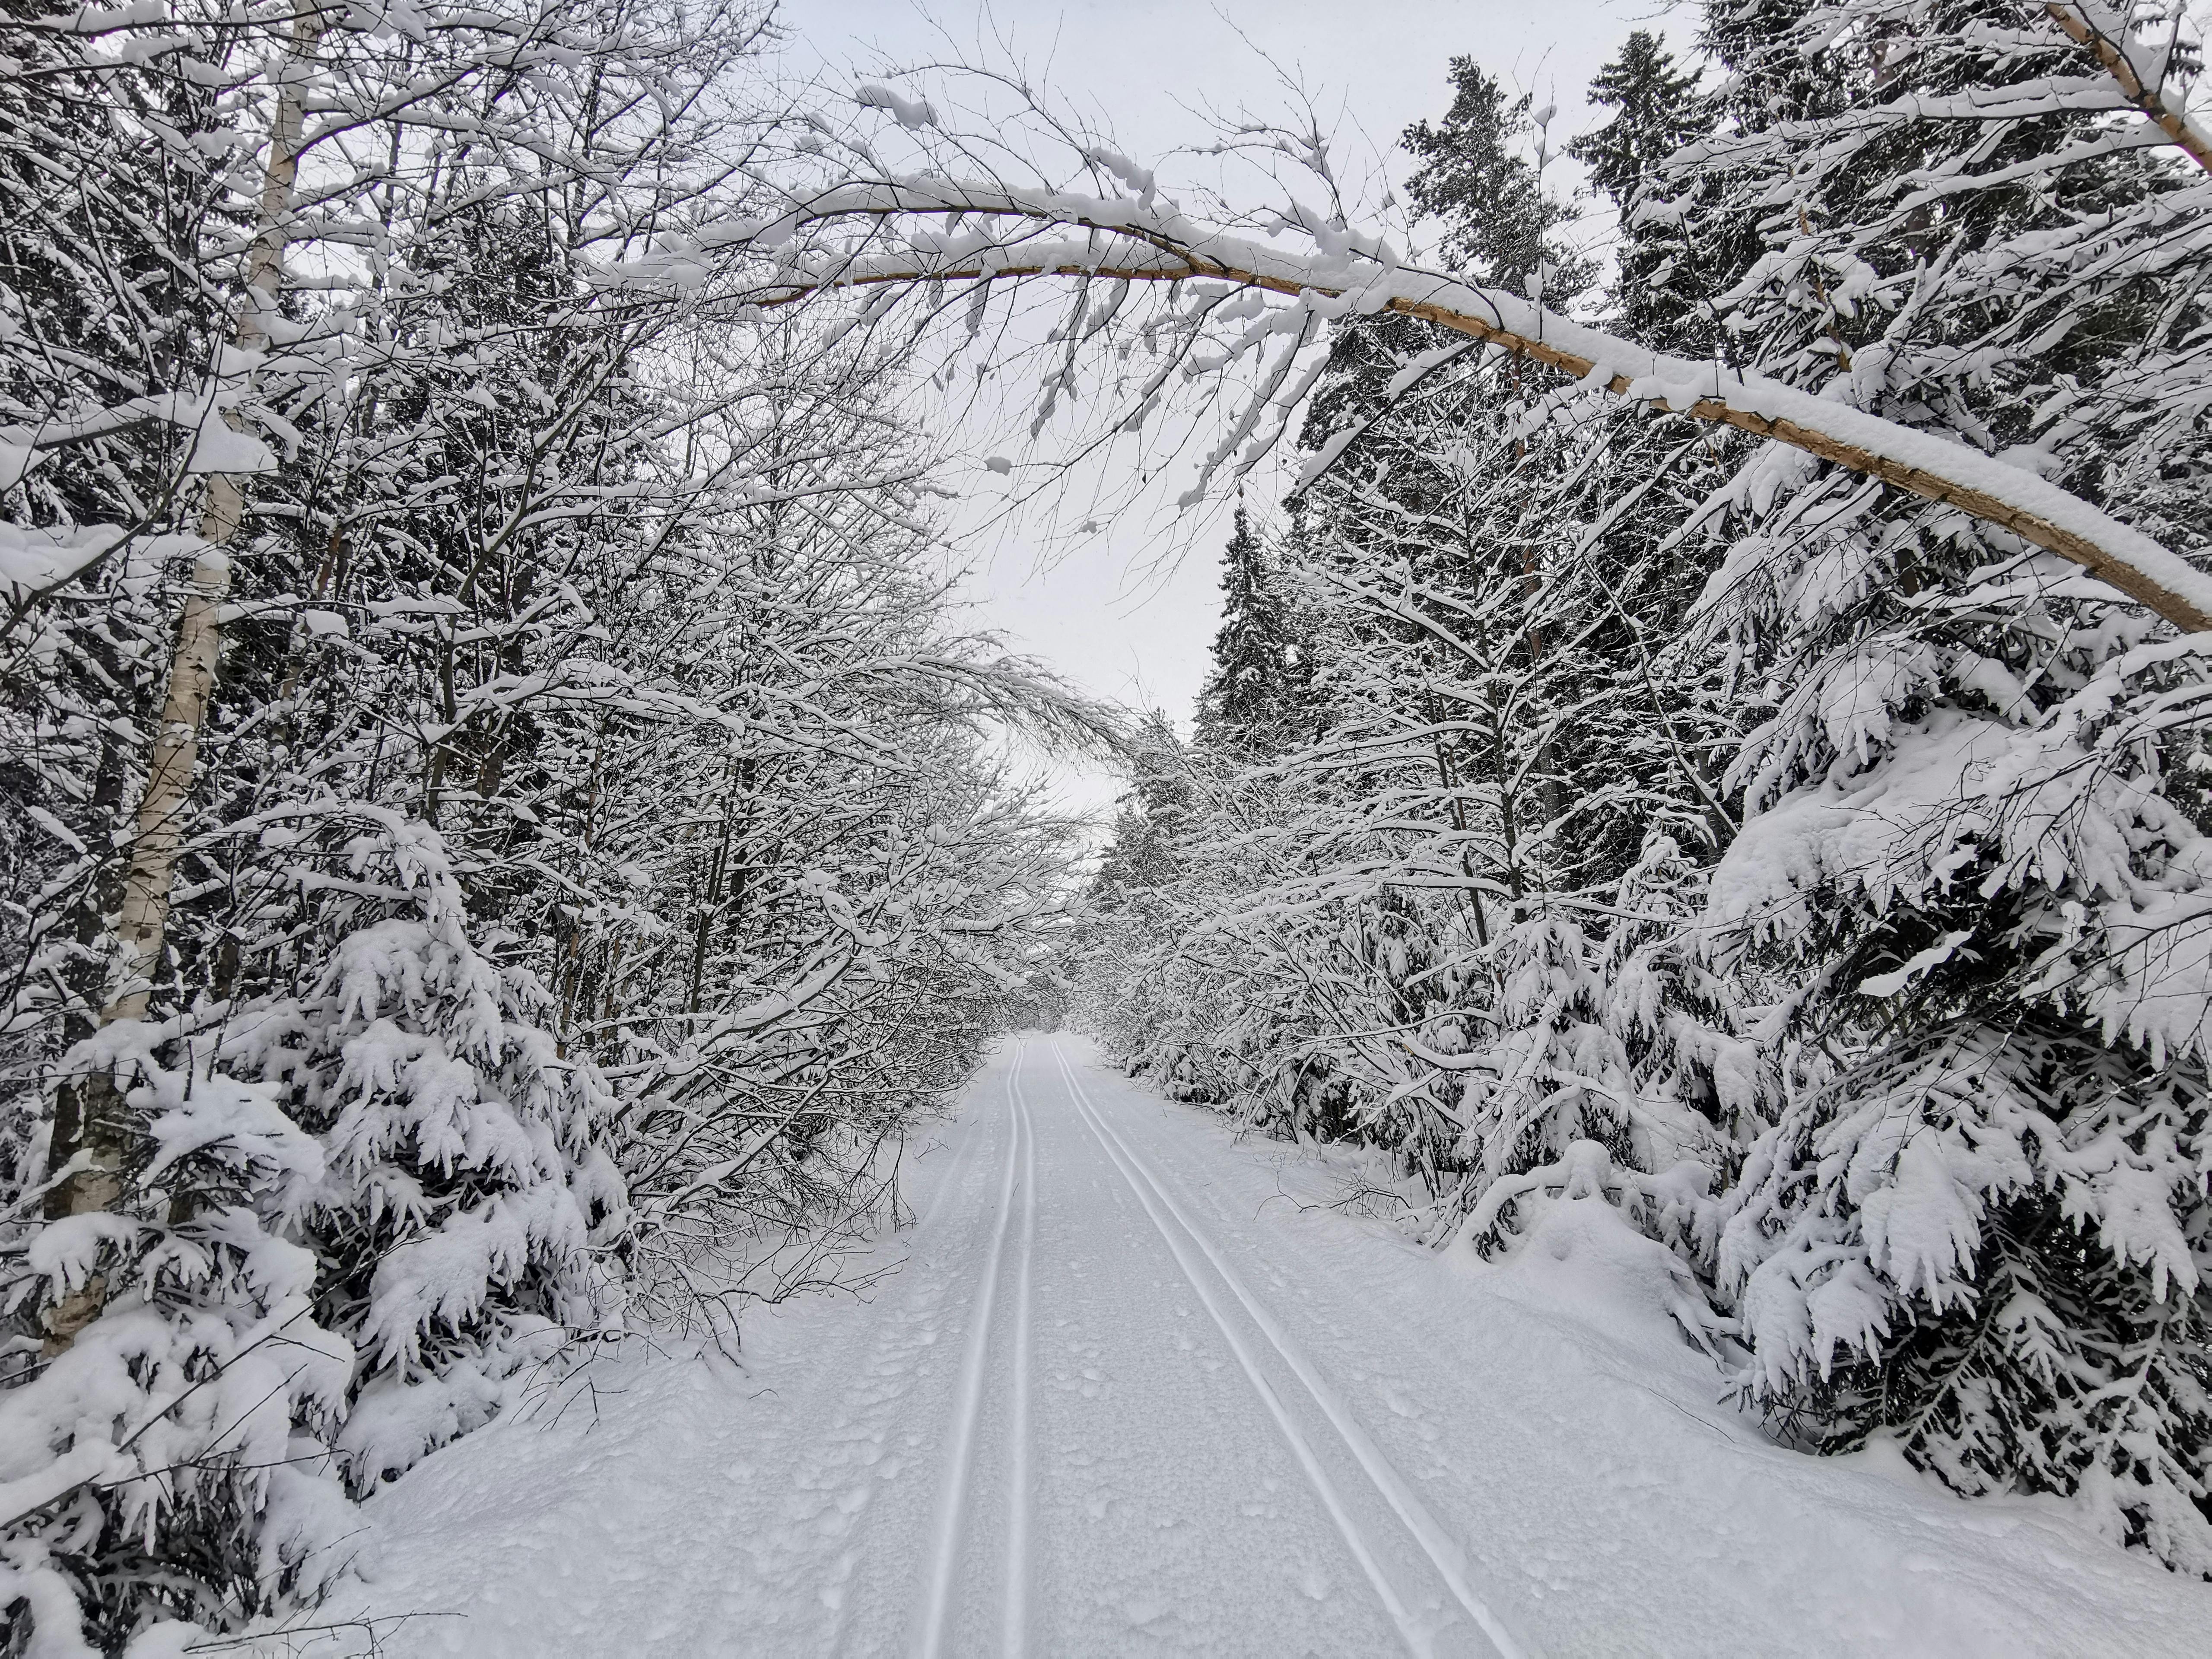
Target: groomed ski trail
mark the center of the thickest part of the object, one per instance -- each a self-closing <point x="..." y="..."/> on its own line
<point x="1447" y="1558"/>
<point x="1153" y="1198"/>
<point x="989" y="1496"/>
<point x="1131" y="1387"/>
<point x="1017" y="1483"/>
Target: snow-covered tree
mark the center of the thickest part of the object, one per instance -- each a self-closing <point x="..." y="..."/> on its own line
<point x="1251" y="699"/>
<point x="1660" y="277"/>
<point x="377" y="1035"/>
<point x="1916" y="1011"/>
<point x="1980" y="1225"/>
<point x="504" y="823"/>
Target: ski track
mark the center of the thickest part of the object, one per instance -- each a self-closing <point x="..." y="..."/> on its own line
<point x="1017" y="1485"/>
<point x="842" y="1463"/>
<point x="1446" y="1557"/>
<point x="1115" y="1398"/>
<point x="1416" y="1638"/>
<point x="968" y="1406"/>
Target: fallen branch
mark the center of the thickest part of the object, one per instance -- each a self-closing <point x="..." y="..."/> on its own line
<point x="2105" y="40"/>
<point x="1129" y="240"/>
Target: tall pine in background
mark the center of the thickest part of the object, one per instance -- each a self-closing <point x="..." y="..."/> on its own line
<point x="1659" y="274"/>
<point x="1249" y="702"/>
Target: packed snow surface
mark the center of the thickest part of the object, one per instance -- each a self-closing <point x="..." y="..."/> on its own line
<point x="1130" y="1386"/>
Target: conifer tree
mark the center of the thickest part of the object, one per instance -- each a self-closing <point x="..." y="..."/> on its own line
<point x="1154" y="819"/>
<point x="1958" y="845"/>
<point x="1251" y="693"/>
<point x="1657" y="284"/>
<point x="1501" y="225"/>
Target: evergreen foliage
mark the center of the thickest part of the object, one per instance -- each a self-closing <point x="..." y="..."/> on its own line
<point x="1657" y="109"/>
<point x="595" y="852"/>
<point x="1251" y="698"/>
<point x="1501" y="224"/>
<point x="1817" y="874"/>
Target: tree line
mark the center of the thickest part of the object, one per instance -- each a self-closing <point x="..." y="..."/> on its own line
<point x="1588" y="802"/>
<point x="504" y="828"/>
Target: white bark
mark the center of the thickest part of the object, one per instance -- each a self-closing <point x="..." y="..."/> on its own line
<point x="143" y="923"/>
<point x="104" y="1136"/>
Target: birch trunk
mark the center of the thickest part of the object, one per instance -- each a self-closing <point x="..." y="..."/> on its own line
<point x="92" y="1125"/>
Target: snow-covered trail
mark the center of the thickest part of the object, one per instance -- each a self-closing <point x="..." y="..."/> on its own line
<point x="1132" y="1451"/>
<point x="1129" y="1387"/>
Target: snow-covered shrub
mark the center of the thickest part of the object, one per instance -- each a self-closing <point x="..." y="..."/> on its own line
<point x="359" y="1211"/>
<point x="1583" y="1232"/>
<point x="173" y="1462"/>
<point x="1624" y="1043"/>
<point x="1983" y="1224"/>
<point x="468" y="1213"/>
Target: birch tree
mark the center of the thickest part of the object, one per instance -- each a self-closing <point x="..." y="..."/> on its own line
<point x="446" y="1068"/>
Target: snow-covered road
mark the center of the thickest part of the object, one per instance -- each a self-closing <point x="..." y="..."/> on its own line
<point x="1131" y="1387"/>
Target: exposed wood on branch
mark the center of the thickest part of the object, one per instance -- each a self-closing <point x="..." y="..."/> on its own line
<point x="1126" y="241"/>
<point x="2111" y="52"/>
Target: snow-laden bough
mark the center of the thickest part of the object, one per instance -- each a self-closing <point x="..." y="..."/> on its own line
<point x="1346" y="273"/>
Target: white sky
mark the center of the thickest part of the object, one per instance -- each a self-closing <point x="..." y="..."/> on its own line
<point x="1122" y="614"/>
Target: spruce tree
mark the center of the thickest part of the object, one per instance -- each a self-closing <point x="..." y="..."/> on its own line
<point x="1501" y="224"/>
<point x="1250" y="692"/>
<point x="1154" y="818"/>
<point x="1980" y="1225"/>
<point x="1657" y="108"/>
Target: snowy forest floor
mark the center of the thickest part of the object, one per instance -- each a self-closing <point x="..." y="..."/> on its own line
<point x="1131" y="1385"/>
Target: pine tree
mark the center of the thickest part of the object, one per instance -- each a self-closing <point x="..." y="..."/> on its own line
<point x="1154" y="818"/>
<point x="1501" y="225"/>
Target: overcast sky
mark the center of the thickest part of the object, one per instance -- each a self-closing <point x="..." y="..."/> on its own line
<point x="1122" y="614"/>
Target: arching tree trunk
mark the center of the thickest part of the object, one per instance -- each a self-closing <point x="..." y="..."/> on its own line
<point x="1125" y="240"/>
<point x="2091" y="25"/>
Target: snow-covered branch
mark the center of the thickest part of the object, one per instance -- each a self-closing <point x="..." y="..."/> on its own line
<point x="1347" y="274"/>
<point x="2143" y="77"/>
